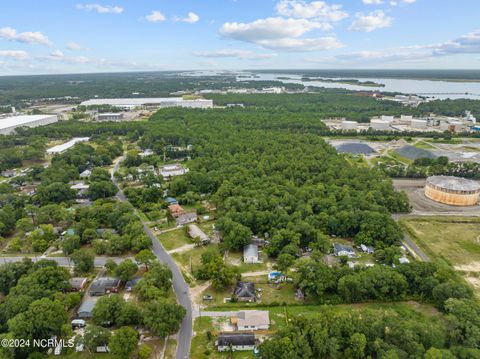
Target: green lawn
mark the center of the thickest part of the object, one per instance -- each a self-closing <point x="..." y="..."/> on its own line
<point x="455" y="239"/>
<point x="171" y="349"/>
<point x="270" y="293"/>
<point x="203" y="346"/>
<point x="174" y="239"/>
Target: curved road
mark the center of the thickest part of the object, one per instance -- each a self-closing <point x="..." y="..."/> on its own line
<point x="180" y="287"/>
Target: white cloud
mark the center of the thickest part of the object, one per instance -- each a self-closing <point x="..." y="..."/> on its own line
<point x="278" y="33"/>
<point x="26" y="37"/>
<point x="14" y="54"/>
<point x="295" y="44"/>
<point x="191" y="18"/>
<point x="370" y="22"/>
<point x="155" y="16"/>
<point x="372" y="2"/>
<point x="58" y="55"/>
<point x="315" y="9"/>
<point x="101" y="9"/>
<point x="75" y="46"/>
<point x="399" y="2"/>
<point x="466" y="44"/>
<point x="228" y="53"/>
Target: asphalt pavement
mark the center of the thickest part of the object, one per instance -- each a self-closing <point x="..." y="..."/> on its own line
<point x="180" y="287"/>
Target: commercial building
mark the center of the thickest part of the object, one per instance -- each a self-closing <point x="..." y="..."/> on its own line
<point x="420" y="124"/>
<point x="349" y="125"/>
<point x="454" y="191"/>
<point x="10" y="124"/>
<point x="380" y="124"/>
<point x="65" y="146"/>
<point x="114" y="116"/>
<point x="150" y="103"/>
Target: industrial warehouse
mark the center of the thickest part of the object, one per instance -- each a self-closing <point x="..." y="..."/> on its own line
<point x="453" y="191"/>
<point x="150" y="103"/>
<point x="10" y="124"/>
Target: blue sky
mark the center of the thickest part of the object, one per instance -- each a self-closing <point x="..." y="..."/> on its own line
<point x="64" y="36"/>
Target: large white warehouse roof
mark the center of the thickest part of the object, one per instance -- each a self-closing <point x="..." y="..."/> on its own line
<point x="22" y="120"/>
<point x="65" y="146"/>
<point x="9" y="124"/>
<point x="132" y="102"/>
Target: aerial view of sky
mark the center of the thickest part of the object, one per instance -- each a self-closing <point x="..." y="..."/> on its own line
<point x="65" y="36"/>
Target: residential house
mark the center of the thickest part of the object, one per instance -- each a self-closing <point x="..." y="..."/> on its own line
<point x="104" y="285"/>
<point x="186" y="219"/>
<point x="248" y="320"/>
<point x="85" y="174"/>
<point x="194" y="232"/>
<point x="176" y="210"/>
<point x="177" y="169"/>
<point x="78" y="284"/>
<point x="132" y="283"/>
<point x="367" y="249"/>
<point x="171" y="200"/>
<point x="235" y="342"/>
<point x="245" y="292"/>
<point x="85" y="311"/>
<point x="342" y="250"/>
<point x="250" y="254"/>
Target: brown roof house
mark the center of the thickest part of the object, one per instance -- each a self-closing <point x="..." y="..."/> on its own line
<point x="104" y="285"/>
<point x="176" y="210"/>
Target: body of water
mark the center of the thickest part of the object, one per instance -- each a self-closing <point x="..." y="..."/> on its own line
<point x="431" y="88"/>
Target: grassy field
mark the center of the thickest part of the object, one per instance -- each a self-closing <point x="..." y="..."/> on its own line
<point x="171" y="348"/>
<point x="456" y="240"/>
<point x="174" y="239"/>
<point x="269" y="293"/>
<point x="203" y="345"/>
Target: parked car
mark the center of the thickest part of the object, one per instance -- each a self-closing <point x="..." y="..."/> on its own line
<point x="78" y="323"/>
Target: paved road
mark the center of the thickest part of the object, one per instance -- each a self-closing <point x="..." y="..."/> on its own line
<point x="180" y="287"/>
<point x="407" y="242"/>
<point x="62" y="261"/>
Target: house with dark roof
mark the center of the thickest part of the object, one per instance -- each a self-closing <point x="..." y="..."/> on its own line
<point x="341" y="250"/>
<point x="245" y="292"/>
<point x="104" y="285"/>
<point x="132" y="283"/>
<point x="235" y="342"/>
<point x="78" y="284"/>
<point x="85" y="311"/>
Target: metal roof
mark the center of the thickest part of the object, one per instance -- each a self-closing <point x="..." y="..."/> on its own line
<point x="65" y="146"/>
<point x="454" y="183"/>
<point x="250" y="250"/>
<point x="12" y="121"/>
<point x="138" y="101"/>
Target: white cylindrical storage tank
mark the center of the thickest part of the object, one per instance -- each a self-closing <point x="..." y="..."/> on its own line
<point x="406" y="118"/>
<point x="387" y="118"/>
<point x="381" y="125"/>
<point x="419" y="123"/>
<point x="349" y="125"/>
